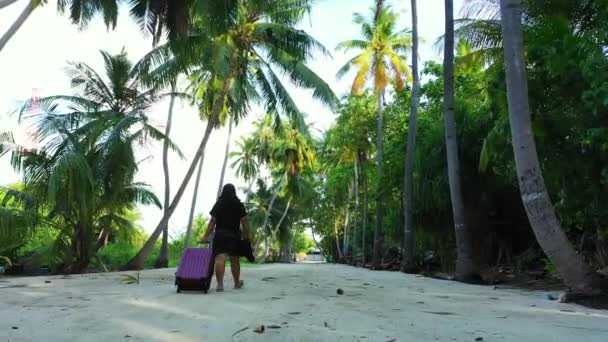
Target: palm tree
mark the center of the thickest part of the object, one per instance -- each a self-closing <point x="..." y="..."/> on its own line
<point x="245" y="163"/>
<point x="408" y="186"/>
<point x="381" y="58"/>
<point x="247" y="45"/>
<point x="289" y="157"/>
<point x="85" y="169"/>
<point x="576" y="274"/>
<point x="465" y="268"/>
<point x="154" y="16"/>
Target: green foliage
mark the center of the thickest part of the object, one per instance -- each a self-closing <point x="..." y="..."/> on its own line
<point x="80" y="181"/>
<point x="302" y="243"/>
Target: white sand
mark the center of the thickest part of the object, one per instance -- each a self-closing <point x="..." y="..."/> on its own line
<point x="301" y="299"/>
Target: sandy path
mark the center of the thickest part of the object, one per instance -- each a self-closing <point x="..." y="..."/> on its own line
<point x="301" y="299"/>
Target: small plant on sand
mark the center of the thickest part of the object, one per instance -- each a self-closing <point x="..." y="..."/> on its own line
<point x="6" y="260"/>
<point x="131" y="278"/>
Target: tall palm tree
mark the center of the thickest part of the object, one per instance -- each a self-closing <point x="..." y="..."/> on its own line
<point x="226" y="155"/>
<point x="248" y="45"/>
<point x="163" y="257"/>
<point x="577" y="275"/>
<point x="408" y="186"/>
<point x="381" y="58"/>
<point x="465" y="268"/>
<point x="245" y="163"/>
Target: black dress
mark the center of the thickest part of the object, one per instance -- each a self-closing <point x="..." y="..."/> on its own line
<point x="227" y="215"/>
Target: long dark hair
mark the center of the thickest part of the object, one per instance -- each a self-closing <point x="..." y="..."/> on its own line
<point x="229" y="194"/>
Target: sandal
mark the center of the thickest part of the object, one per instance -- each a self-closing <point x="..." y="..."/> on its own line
<point x="219" y="289"/>
<point x="240" y="285"/>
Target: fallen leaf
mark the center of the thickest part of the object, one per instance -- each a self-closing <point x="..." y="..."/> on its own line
<point x="274" y="327"/>
<point x="442" y="313"/>
<point x="15" y="328"/>
<point x="479" y="339"/>
<point x="260" y="329"/>
<point x="294" y="313"/>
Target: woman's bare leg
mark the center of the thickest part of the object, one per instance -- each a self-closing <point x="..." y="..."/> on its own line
<point x="235" y="267"/>
<point x="220" y="268"/>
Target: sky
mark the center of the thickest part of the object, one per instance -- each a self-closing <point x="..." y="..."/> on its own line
<point x="34" y="63"/>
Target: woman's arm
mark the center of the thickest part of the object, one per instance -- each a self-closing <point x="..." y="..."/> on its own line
<point x="245" y="223"/>
<point x="210" y="229"/>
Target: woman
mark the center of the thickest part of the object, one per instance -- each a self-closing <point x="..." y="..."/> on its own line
<point x="227" y="216"/>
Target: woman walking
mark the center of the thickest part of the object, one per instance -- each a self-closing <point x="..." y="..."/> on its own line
<point x="227" y="216"/>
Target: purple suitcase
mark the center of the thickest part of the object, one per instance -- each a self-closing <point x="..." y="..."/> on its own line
<point x="195" y="270"/>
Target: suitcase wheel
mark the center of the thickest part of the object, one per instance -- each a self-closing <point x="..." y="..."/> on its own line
<point x="179" y="290"/>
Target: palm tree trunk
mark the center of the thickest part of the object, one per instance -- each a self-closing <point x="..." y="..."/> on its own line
<point x="379" y="192"/>
<point x="6" y="3"/>
<point x="138" y="260"/>
<point x="249" y="187"/>
<point x="356" y="213"/>
<point x="576" y="274"/>
<point x="276" y="229"/>
<point x="379" y="6"/>
<point x="219" y="190"/>
<point x="193" y="205"/>
<point x="268" y="212"/>
<point x="407" y="263"/>
<point x="365" y="206"/>
<point x="163" y="257"/>
<point x="339" y="250"/>
<point x="27" y="11"/>
<point x="465" y="269"/>
<point x="347" y="221"/>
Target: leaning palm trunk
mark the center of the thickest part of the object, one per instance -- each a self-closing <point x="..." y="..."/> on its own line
<point x="249" y="187"/>
<point x="262" y="230"/>
<point x="6" y="3"/>
<point x="549" y="234"/>
<point x="219" y="190"/>
<point x="193" y="205"/>
<point x="274" y="233"/>
<point x="379" y="192"/>
<point x="365" y="207"/>
<point x="138" y="260"/>
<point x="465" y="269"/>
<point x="27" y="11"/>
<point x="407" y="264"/>
<point x="163" y="257"/>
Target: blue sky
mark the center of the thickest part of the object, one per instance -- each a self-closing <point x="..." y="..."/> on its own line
<point x="35" y="60"/>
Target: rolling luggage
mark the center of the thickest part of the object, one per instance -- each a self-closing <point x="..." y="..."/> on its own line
<point x="195" y="270"/>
